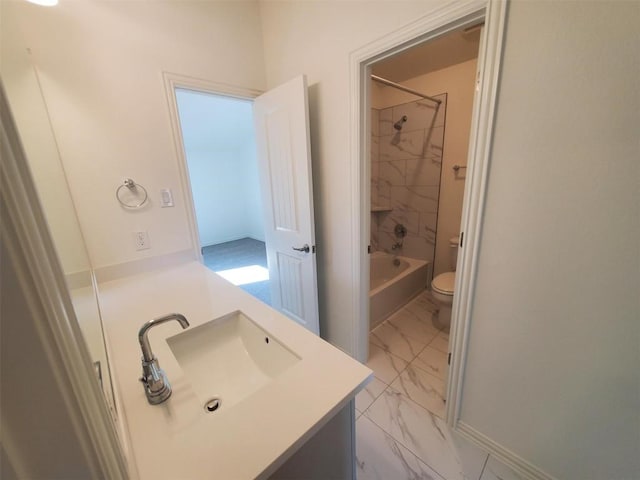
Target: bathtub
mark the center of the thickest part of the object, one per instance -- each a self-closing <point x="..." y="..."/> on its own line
<point x="392" y="285"/>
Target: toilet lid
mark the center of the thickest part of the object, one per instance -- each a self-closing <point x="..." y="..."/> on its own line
<point x="444" y="283"/>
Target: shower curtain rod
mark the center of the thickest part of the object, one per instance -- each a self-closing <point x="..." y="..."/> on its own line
<point x="405" y="89"/>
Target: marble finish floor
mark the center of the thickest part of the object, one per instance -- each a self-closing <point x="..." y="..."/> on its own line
<point x="236" y="254"/>
<point x="400" y="428"/>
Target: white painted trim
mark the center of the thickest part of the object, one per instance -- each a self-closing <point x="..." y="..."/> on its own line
<point x="440" y="21"/>
<point x="171" y="82"/>
<point x="24" y="229"/>
<point x="518" y="464"/>
<point x="474" y="199"/>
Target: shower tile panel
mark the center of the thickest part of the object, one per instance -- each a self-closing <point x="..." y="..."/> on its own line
<point x="411" y="220"/>
<point x="405" y="175"/>
<point x="415" y="198"/>
<point x="393" y="173"/>
<point x="375" y="122"/>
<point x="424" y="172"/>
<point x="386" y="122"/>
<point x="402" y="145"/>
<point x="418" y="247"/>
<point x="375" y="148"/>
<point x="428" y="222"/>
<point x="435" y="142"/>
<point x="384" y="194"/>
<point x="420" y="115"/>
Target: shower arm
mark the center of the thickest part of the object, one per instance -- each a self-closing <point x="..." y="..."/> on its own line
<point x="403" y="88"/>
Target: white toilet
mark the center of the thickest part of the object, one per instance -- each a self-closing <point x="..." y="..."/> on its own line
<point x="442" y="287"/>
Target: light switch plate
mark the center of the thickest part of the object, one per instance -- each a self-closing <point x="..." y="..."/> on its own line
<point x="166" y="198"/>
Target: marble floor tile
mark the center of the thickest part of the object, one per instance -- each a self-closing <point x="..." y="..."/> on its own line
<point x="385" y="366"/>
<point x="433" y="361"/>
<point x="423" y="388"/>
<point x="395" y="341"/>
<point x="412" y="325"/>
<point x="440" y="343"/>
<point x="425" y="435"/>
<point x="495" y="470"/>
<point x="423" y="303"/>
<point x="380" y="457"/>
<point x="367" y="395"/>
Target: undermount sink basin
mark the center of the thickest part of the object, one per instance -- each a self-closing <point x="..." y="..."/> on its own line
<point x="229" y="358"/>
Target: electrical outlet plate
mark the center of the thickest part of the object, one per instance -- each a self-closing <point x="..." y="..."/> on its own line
<point x="141" y="240"/>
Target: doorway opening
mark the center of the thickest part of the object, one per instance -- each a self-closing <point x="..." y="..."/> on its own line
<point x="220" y="151"/>
<point x="431" y="28"/>
<point x="420" y="107"/>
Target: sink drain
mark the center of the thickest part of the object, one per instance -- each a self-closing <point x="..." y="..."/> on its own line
<point x="212" y="405"/>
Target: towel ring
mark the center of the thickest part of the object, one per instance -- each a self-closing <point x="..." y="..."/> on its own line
<point x="133" y="188"/>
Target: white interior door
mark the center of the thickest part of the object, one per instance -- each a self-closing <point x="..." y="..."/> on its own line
<point x="281" y="119"/>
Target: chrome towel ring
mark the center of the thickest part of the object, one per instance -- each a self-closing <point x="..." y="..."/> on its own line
<point x="129" y="193"/>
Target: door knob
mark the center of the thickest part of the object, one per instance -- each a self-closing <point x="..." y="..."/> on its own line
<point x="305" y="248"/>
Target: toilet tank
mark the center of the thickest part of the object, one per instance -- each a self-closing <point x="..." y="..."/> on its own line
<point x="454" y="242"/>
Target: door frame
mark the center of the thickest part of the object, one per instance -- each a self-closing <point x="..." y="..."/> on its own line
<point x="442" y="20"/>
<point x="171" y="82"/>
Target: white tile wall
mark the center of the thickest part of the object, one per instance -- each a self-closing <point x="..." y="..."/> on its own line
<point x="405" y="176"/>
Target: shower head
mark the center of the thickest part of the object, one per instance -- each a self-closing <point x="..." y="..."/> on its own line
<point x="398" y="124"/>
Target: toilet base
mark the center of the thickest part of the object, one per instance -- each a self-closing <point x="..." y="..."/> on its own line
<point x="443" y="319"/>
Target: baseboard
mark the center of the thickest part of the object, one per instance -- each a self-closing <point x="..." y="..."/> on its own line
<point x="518" y="464"/>
<point x="120" y="270"/>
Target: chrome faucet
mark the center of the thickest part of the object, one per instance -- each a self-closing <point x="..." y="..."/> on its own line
<point x="156" y="384"/>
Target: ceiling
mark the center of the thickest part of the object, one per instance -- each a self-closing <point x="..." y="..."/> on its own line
<point x="450" y="49"/>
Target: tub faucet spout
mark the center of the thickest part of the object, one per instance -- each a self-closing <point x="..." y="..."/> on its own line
<point x="156" y="384"/>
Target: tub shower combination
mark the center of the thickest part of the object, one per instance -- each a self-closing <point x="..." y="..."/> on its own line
<point x="394" y="281"/>
<point x="406" y="154"/>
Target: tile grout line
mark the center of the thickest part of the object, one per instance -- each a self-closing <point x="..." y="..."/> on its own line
<point x="402" y="443"/>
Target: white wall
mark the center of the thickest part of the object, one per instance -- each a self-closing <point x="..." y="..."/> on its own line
<point x="554" y="347"/>
<point x="30" y="113"/>
<point x="219" y="143"/>
<point x="101" y="64"/>
<point x="316" y="38"/>
<point x="458" y="81"/>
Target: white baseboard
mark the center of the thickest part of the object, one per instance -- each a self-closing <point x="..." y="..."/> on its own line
<point x="518" y="464"/>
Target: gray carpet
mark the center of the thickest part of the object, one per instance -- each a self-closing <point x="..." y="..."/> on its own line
<point x="236" y="254"/>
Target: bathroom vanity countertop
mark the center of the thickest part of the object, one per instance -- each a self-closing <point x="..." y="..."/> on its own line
<point x="178" y="439"/>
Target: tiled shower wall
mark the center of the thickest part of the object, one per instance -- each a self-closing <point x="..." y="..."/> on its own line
<point x="405" y="176"/>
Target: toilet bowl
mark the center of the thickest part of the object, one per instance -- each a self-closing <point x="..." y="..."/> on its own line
<point x="442" y="287"/>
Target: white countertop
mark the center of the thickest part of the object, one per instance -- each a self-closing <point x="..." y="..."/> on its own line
<point x="178" y="439"/>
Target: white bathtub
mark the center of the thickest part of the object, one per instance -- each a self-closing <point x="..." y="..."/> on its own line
<point x="393" y="284"/>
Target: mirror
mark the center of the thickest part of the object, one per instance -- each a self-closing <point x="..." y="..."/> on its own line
<point x="29" y="109"/>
